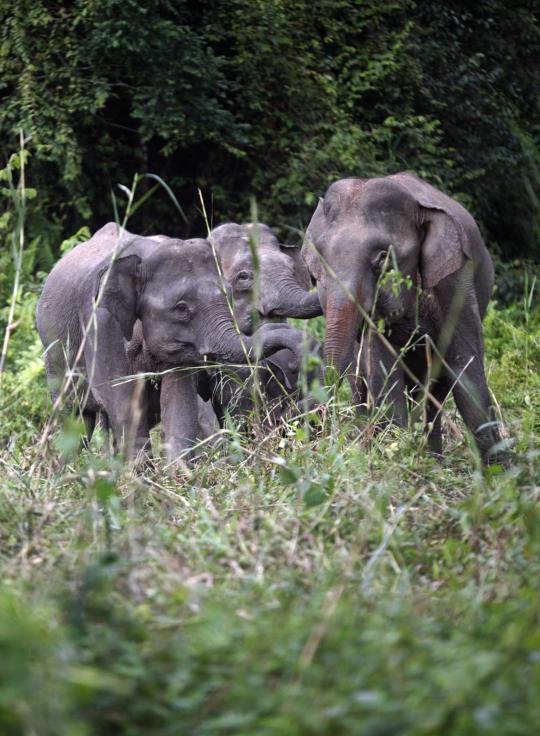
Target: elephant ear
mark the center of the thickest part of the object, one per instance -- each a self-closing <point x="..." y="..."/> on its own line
<point x="301" y="273"/>
<point x="280" y="374"/>
<point x="445" y="247"/>
<point x="309" y="251"/>
<point x="116" y="290"/>
<point x="447" y="228"/>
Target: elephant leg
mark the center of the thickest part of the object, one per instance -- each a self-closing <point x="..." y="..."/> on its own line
<point x="461" y="343"/>
<point x="179" y="413"/>
<point x="439" y="389"/>
<point x="219" y="412"/>
<point x="465" y="362"/>
<point x="214" y="391"/>
<point x="89" y="419"/>
<point x="358" y="384"/>
<point x="127" y="420"/>
<point x="385" y="379"/>
<point x="233" y="394"/>
<point x="473" y="401"/>
<point x="123" y="402"/>
<point x="152" y="399"/>
<point x="208" y="390"/>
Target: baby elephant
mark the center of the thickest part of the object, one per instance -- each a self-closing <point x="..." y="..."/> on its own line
<point x="275" y="385"/>
<point x="169" y="290"/>
<point x="408" y="262"/>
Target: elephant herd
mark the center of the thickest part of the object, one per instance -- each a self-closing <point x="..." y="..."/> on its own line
<point x="402" y="276"/>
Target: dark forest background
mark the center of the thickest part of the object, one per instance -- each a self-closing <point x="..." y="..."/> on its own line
<point x="273" y="100"/>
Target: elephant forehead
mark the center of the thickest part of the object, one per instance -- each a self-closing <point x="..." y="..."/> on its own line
<point x="275" y="259"/>
<point x="388" y="198"/>
<point x="262" y="234"/>
<point x="162" y="295"/>
<point x="228" y="231"/>
<point x="378" y="198"/>
<point x="157" y="300"/>
<point x="343" y="194"/>
<point x="181" y="255"/>
<point x="233" y="251"/>
<point x="173" y="266"/>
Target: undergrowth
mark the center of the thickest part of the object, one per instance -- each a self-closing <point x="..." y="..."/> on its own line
<point x="318" y="580"/>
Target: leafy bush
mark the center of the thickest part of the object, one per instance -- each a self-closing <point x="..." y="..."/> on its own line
<point x="271" y="99"/>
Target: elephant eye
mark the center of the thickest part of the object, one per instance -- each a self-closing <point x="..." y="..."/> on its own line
<point x="182" y="310"/>
<point x="379" y="260"/>
<point x="244" y="279"/>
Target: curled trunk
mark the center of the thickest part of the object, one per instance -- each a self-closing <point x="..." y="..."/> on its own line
<point x="298" y="303"/>
<point x="225" y="344"/>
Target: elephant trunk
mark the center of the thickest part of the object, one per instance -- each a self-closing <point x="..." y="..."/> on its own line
<point x="299" y="303"/>
<point x="343" y="320"/>
<point x="226" y="345"/>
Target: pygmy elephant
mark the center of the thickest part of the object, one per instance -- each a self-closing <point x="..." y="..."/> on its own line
<point x="396" y="251"/>
<point x="96" y="295"/>
<point x="283" y="288"/>
<point x="267" y="281"/>
<point x="274" y="385"/>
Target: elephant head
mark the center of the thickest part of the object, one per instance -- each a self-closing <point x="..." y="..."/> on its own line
<point x="173" y="287"/>
<point x="367" y="228"/>
<point x="284" y="281"/>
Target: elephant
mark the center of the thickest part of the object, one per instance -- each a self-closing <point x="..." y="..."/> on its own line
<point x="408" y="262"/>
<point x="170" y="291"/>
<point x="284" y="288"/>
<point x="275" y="382"/>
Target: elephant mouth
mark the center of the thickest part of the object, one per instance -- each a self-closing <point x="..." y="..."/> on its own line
<point x="391" y="313"/>
<point x="180" y="353"/>
<point x="394" y="315"/>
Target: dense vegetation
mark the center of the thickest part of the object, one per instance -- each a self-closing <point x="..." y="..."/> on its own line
<point x="274" y="100"/>
<point x="322" y="579"/>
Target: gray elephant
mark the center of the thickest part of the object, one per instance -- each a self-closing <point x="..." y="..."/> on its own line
<point x="169" y="290"/>
<point x="274" y="384"/>
<point x="399" y="250"/>
<point x="283" y="290"/>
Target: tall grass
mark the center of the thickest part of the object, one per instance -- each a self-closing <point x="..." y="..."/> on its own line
<point x="315" y="578"/>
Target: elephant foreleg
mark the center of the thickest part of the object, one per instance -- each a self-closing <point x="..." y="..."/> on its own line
<point x="465" y="366"/>
<point x="123" y="402"/>
<point x="439" y="389"/>
<point x="358" y="384"/>
<point x="89" y="418"/>
<point x="384" y="378"/>
<point x="179" y="413"/>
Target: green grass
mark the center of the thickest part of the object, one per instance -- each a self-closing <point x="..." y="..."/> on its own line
<point x="318" y="581"/>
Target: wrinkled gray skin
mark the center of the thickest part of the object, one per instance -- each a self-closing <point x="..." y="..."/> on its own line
<point x="284" y="291"/>
<point x="169" y="291"/>
<point x="437" y="245"/>
<point x="234" y="391"/>
<point x="284" y="281"/>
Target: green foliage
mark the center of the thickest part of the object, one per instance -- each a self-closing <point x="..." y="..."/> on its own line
<point x="34" y="692"/>
<point x="271" y="99"/>
<point x="24" y="399"/>
<point x="322" y="580"/>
